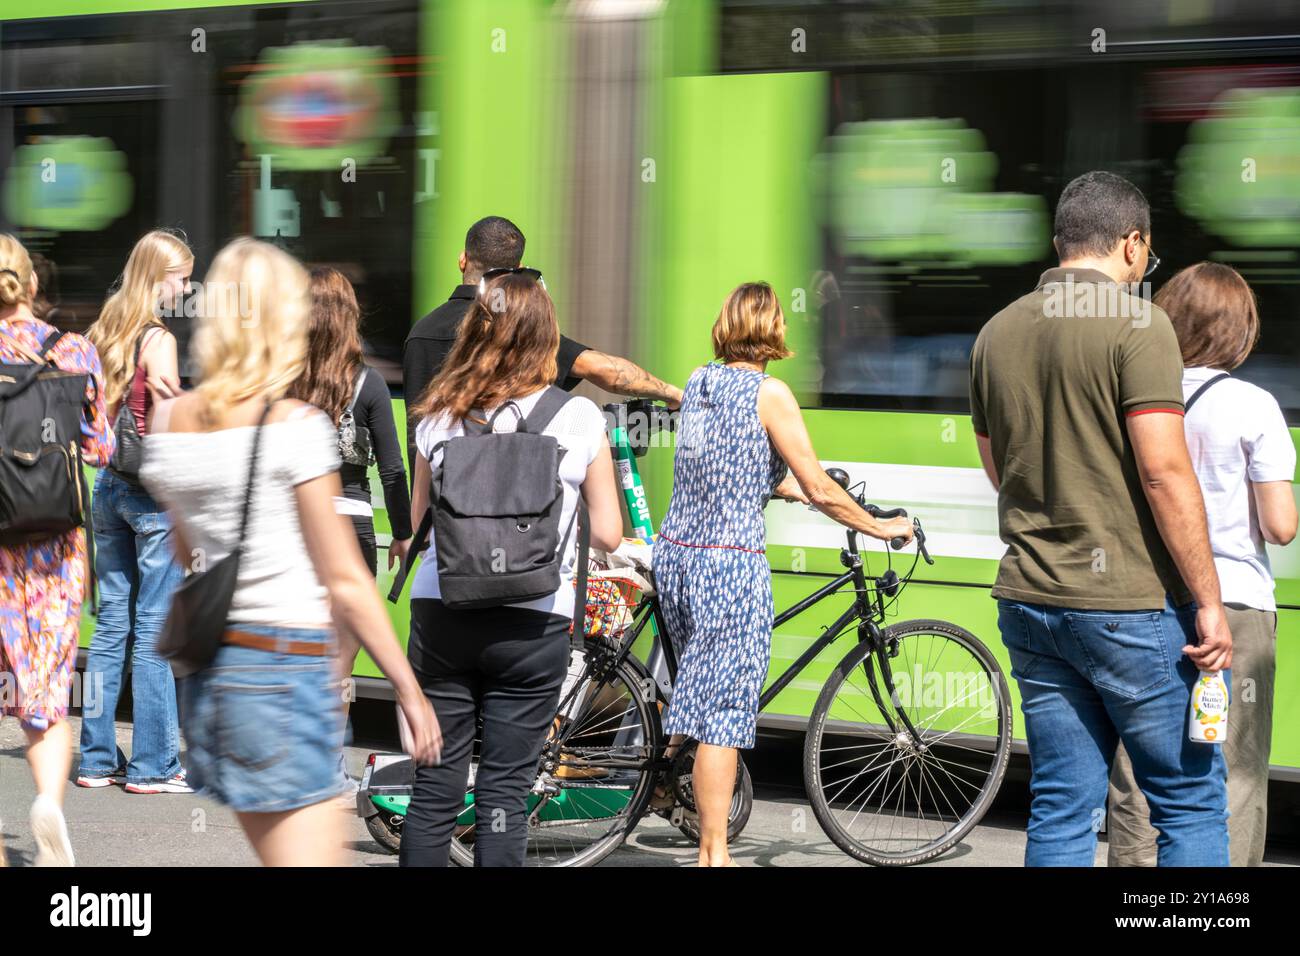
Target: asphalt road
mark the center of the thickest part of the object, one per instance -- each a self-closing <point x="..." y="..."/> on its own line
<point x="110" y="827"/>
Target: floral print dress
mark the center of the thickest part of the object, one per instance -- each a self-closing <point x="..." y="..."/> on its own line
<point x="42" y="583"/>
<point x="715" y="586"/>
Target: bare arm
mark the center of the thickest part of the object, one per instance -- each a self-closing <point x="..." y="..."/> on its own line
<point x="1169" y="482"/>
<point x="1275" y="508"/>
<point x="336" y="556"/>
<point x="601" y="495"/>
<point x="779" y="412"/>
<point x="161" y="372"/>
<point x="622" y="377"/>
<point x="420" y="492"/>
<point x="986" y="459"/>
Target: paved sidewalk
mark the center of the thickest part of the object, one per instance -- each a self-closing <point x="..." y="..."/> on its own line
<point x="110" y="827"/>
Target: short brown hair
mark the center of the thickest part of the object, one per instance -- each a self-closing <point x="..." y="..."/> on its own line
<point x="1214" y="315"/>
<point x="751" y="326"/>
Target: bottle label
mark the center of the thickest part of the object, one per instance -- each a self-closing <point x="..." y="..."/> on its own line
<point x="1209" y="709"/>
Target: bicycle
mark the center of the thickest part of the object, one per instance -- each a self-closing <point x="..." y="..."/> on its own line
<point x="600" y="765"/>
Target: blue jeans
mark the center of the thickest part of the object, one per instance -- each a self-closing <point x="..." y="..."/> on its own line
<point x="136" y="564"/>
<point x="1089" y="679"/>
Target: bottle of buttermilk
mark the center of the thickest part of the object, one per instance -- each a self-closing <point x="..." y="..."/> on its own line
<point x="1209" y="722"/>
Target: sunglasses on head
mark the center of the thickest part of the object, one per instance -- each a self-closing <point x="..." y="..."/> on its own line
<point x="534" y="274"/>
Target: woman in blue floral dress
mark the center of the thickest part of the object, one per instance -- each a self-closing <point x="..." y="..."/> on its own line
<point x="739" y="427"/>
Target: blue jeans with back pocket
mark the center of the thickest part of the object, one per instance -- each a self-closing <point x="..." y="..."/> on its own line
<point x="1089" y="679"/>
<point x="135" y="561"/>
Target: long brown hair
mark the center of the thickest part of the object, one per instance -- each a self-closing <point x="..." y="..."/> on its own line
<point x="1214" y="315"/>
<point x="329" y="377"/>
<point x="505" y="348"/>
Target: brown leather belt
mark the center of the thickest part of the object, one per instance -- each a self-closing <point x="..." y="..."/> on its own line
<point x="279" y="645"/>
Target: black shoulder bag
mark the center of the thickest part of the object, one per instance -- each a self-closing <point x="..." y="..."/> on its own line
<point x="127" y="455"/>
<point x="197" y="619"/>
<point x="354" y="440"/>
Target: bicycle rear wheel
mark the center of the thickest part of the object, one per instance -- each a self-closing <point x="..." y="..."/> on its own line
<point x="589" y="794"/>
<point x="882" y="796"/>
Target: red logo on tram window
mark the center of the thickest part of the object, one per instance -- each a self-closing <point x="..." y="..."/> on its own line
<point x="312" y="105"/>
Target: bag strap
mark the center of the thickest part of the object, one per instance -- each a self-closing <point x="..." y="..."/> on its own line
<point x="252" y="473"/>
<point x="578" y="635"/>
<point x="1187" y="405"/>
<point x="547" y="407"/>
<point x="51" y="340"/>
<point x="356" y="393"/>
<point x="418" y="544"/>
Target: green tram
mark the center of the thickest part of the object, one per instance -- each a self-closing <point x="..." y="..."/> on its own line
<point x="889" y="167"/>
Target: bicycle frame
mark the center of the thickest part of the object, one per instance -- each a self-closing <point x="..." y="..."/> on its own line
<point x="867" y="609"/>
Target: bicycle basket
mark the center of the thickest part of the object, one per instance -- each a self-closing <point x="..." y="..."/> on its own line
<point x="612" y="598"/>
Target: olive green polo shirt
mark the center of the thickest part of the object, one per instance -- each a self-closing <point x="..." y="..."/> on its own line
<point x="1054" y="376"/>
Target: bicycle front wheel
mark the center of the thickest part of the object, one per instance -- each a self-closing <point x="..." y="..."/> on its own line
<point x="891" y="797"/>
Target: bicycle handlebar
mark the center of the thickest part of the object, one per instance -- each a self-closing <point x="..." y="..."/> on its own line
<point x="841" y="477"/>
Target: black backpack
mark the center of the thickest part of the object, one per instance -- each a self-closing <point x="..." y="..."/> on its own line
<point x="42" y="487"/>
<point x="495" y="507"/>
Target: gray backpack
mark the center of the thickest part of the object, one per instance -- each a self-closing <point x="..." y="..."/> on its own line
<point x="495" y="505"/>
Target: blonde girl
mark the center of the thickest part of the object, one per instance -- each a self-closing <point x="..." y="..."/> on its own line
<point x="135" y="558"/>
<point x="263" y="720"/>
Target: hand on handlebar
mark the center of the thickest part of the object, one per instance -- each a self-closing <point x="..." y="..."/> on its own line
<point x="789" y="490"/>
<point x="897" y="531"/>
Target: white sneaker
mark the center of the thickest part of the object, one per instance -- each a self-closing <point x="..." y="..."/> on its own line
<point x="177" y="784"/>
<point x="51" y="833"/>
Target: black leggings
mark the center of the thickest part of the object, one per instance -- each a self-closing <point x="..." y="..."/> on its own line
<point x="364" y="526"/>
<point x="504" y="665"/>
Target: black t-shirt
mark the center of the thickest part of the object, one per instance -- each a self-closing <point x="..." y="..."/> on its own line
<point x="430" y="340"/>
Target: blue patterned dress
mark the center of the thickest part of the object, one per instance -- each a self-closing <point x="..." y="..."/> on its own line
<point x="709" y="561"/>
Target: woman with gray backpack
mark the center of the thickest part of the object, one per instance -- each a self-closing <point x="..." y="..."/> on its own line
<point x="506" y="463"/>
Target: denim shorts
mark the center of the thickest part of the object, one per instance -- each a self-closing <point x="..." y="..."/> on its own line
<point x="264" y="730"/>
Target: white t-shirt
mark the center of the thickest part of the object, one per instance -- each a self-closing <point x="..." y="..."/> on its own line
<point x="579" y="427"/>
<point x="200" y="478"/>
<point x="1237" y="435"/>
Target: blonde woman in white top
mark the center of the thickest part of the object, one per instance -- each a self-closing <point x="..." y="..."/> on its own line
<point x="1245" y="461"/>
<point x="263" y="722"/>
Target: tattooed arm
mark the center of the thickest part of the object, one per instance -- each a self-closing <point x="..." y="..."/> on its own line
<point x="622" y="377"/>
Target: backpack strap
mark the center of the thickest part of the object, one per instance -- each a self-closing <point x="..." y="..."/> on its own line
<point x="418" y="544"/>
<point x="547" y="407"/>
<point x="51" y="340"/>
<point x="1187" y="405"/>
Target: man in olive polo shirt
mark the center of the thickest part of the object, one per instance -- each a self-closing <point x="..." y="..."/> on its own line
<point x="1077" y="405"/>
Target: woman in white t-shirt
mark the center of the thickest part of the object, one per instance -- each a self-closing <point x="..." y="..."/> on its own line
<point x="1245" y="461"/>
<point x="504" y="664"/>
<point x="263" y="722"/>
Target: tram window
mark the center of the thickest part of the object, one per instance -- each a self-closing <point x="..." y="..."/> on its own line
<point x="327" y="91"/>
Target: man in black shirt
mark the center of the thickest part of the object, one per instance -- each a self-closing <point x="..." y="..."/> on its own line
<point x="496" y="243"/>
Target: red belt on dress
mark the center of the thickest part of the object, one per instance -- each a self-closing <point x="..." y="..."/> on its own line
<point x="730" y="547"/>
